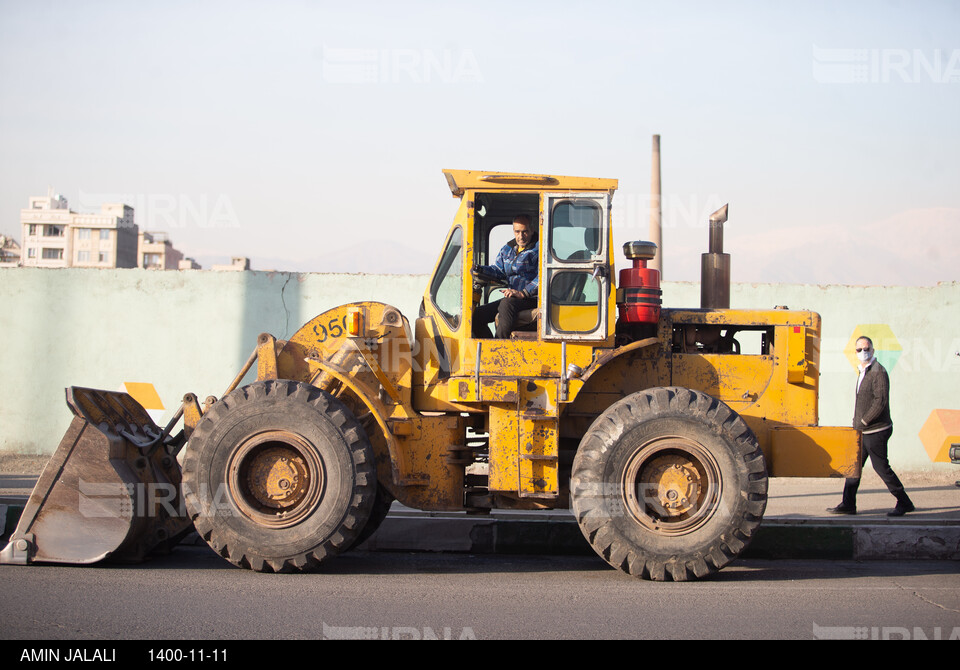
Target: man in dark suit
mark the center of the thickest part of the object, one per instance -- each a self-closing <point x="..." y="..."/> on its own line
<point x="871" y="416"/>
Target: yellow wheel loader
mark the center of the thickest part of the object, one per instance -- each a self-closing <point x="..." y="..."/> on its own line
<point x="658" y="427"/>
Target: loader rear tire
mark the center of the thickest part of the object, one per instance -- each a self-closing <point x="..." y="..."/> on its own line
<point x="669" y="484"/>
<point x="279" y="476"/>
<point x="381" y="507"/>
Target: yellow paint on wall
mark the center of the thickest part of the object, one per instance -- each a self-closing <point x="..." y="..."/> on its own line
<point x="939" y="431"/>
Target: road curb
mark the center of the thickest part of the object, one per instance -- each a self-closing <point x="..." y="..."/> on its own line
<point x="803" y="541"/>
<point x="907" y="542"/>
<point x="775" y="539"/>
<point x="560" y="535"/>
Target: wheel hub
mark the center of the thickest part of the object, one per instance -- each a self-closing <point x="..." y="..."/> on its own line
<point x="673" y="482"/>
<point x="276" y="478"/>
<point x="671" y="485"/>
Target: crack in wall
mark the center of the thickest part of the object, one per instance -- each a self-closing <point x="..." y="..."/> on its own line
<point x="286" y="310"/>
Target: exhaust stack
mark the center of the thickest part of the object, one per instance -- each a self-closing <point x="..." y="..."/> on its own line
<point x="656" y="208"/>
<point x="715" y="266"/>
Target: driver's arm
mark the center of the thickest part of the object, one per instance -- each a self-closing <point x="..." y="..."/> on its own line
<point x="497" y="269"/>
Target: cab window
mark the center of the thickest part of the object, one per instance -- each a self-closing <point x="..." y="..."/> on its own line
<point x="574" y="302"/>
<point x="446" y="289"/>
<point x="575" y="234"/>
<point x="576" y="243"/>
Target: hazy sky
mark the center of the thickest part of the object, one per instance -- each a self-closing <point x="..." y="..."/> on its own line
<point x="312" y="135"/>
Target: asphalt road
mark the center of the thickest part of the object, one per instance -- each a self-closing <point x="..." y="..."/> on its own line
<point x="192" y="594"/>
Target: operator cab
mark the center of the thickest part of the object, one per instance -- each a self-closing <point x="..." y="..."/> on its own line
<point x="576" y="305"/>
<point x="574" y="269"/>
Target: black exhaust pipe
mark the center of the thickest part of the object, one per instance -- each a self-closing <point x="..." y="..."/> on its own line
<point x="715" y="266"/>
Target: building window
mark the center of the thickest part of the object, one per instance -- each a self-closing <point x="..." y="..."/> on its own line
<point x="104" y="257"/>
<point x="83" y="234"/>
<point x="31" y="253"/>
<point x="83" y="256"/>
<point x="52" y="254"/>
<point x="152" y="261"/>
<point x="32" y="229"/>
<point x="53" y="231"/>
<point x="104" y="234"/>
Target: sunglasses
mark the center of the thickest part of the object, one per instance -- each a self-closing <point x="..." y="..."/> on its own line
<point x="859" y="349"/>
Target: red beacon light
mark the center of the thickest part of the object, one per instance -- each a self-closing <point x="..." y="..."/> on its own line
<point x="639" y="297"/>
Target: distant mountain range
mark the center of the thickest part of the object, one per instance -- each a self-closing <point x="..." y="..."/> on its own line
<point x="915" y="248"/>
<point x="376" y="257"/>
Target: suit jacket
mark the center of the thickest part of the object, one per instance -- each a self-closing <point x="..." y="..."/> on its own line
<point x="871" y="412"/>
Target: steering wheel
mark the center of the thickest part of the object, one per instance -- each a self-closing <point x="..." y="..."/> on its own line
<point x="481" y="278"/>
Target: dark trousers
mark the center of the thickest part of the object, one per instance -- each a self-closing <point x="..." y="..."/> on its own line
<point x="875" y="446"/>
<point x="507" y="309"/>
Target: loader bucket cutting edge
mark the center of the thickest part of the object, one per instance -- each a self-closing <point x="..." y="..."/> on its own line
<point x="111" y="489"/>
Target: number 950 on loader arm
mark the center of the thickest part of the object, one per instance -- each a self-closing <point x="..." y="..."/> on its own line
<point x="658" y="427"/>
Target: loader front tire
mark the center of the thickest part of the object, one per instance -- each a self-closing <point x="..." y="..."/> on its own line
<point x="669" y="484"/>
<point x="279" y="476"/>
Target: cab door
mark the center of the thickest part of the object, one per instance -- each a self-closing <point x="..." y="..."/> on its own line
<point x="575" y="269"/>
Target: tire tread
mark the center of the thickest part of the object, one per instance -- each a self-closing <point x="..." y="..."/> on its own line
<point x="587" y="481"/>
<point x="238" y="551"/>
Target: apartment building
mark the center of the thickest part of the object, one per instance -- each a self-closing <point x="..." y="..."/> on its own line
<point x="56" y="237"/>
<point x="9" y="252"/>
<point x="105" y="240"/>
<point x="156" y="252"/>
<point x="45" y="225"/>
<point x="237" y="264"/>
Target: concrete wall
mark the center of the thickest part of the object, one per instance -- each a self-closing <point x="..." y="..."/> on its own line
<point x="193" y="330"/>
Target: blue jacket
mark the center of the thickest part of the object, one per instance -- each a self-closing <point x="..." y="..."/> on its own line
<point x="519" y="271"/>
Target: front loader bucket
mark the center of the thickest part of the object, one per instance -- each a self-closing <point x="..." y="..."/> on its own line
<point x="111" y="489"/>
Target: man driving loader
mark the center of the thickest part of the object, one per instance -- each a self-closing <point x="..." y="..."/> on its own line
<point x="516" y="266"/>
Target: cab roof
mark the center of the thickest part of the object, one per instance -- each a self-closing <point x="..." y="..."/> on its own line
<point x="463" y="180"/>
